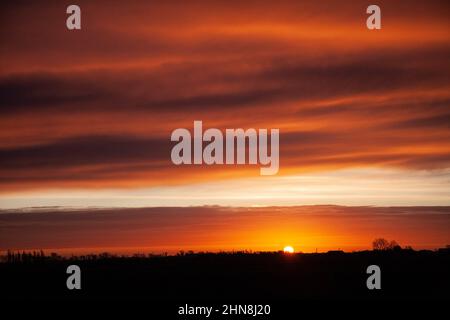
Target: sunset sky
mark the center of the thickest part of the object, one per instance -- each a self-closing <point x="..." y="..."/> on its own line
<point x="86" y="115"/>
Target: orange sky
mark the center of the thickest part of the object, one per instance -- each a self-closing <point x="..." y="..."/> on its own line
<point x="364" y="117"/>
<point x="306" y="228"/>
<point x="95" y="107"/>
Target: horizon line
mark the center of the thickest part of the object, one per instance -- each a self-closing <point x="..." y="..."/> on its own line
<point x="31" y="208"/>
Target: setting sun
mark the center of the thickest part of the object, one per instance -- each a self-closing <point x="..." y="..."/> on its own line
<point x="288" y="249"/>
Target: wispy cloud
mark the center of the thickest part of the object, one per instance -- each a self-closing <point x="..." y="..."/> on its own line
<point x="95" y="108"/>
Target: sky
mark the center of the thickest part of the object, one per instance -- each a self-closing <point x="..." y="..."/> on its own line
<point x="214" y="228"/>
<point x="92" y="110"/>
<point x="86" y="115"/>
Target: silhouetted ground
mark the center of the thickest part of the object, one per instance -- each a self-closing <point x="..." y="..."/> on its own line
<point x="208" y="277"/>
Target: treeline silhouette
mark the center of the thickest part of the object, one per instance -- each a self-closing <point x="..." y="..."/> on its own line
<point x="231" y="276"/>
<point x="379" y="244"/>
<point x="40" y="256"/>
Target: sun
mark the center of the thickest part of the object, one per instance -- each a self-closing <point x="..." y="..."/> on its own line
<point x="288" y="249"/>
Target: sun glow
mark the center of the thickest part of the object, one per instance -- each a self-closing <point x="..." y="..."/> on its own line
<point x="288" y="249"/>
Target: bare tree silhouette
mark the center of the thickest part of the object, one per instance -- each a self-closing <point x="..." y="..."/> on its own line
<point x="383" y="244"/>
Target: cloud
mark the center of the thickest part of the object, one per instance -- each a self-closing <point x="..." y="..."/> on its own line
<point x="96" y="107"/>
<point x="222" y="228"/>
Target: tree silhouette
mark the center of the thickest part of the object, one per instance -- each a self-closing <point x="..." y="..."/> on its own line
<point x="380" y="244"/>
<point x="393" y="245"/>
<point x="383" y="244"/>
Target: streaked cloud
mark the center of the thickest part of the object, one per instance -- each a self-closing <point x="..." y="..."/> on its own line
<point x="383" y="187"/>
<point x="94" y="109"/>
<point x="171" y="229"/>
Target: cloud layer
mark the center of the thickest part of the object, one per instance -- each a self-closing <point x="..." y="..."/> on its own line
<point x="307" y="228"/>
<point x="95" y="108"/>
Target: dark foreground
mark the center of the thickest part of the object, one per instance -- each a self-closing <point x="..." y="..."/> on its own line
<point x="257" y="277"/>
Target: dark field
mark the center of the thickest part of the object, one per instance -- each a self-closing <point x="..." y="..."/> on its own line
<point x="216" y="278"/>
